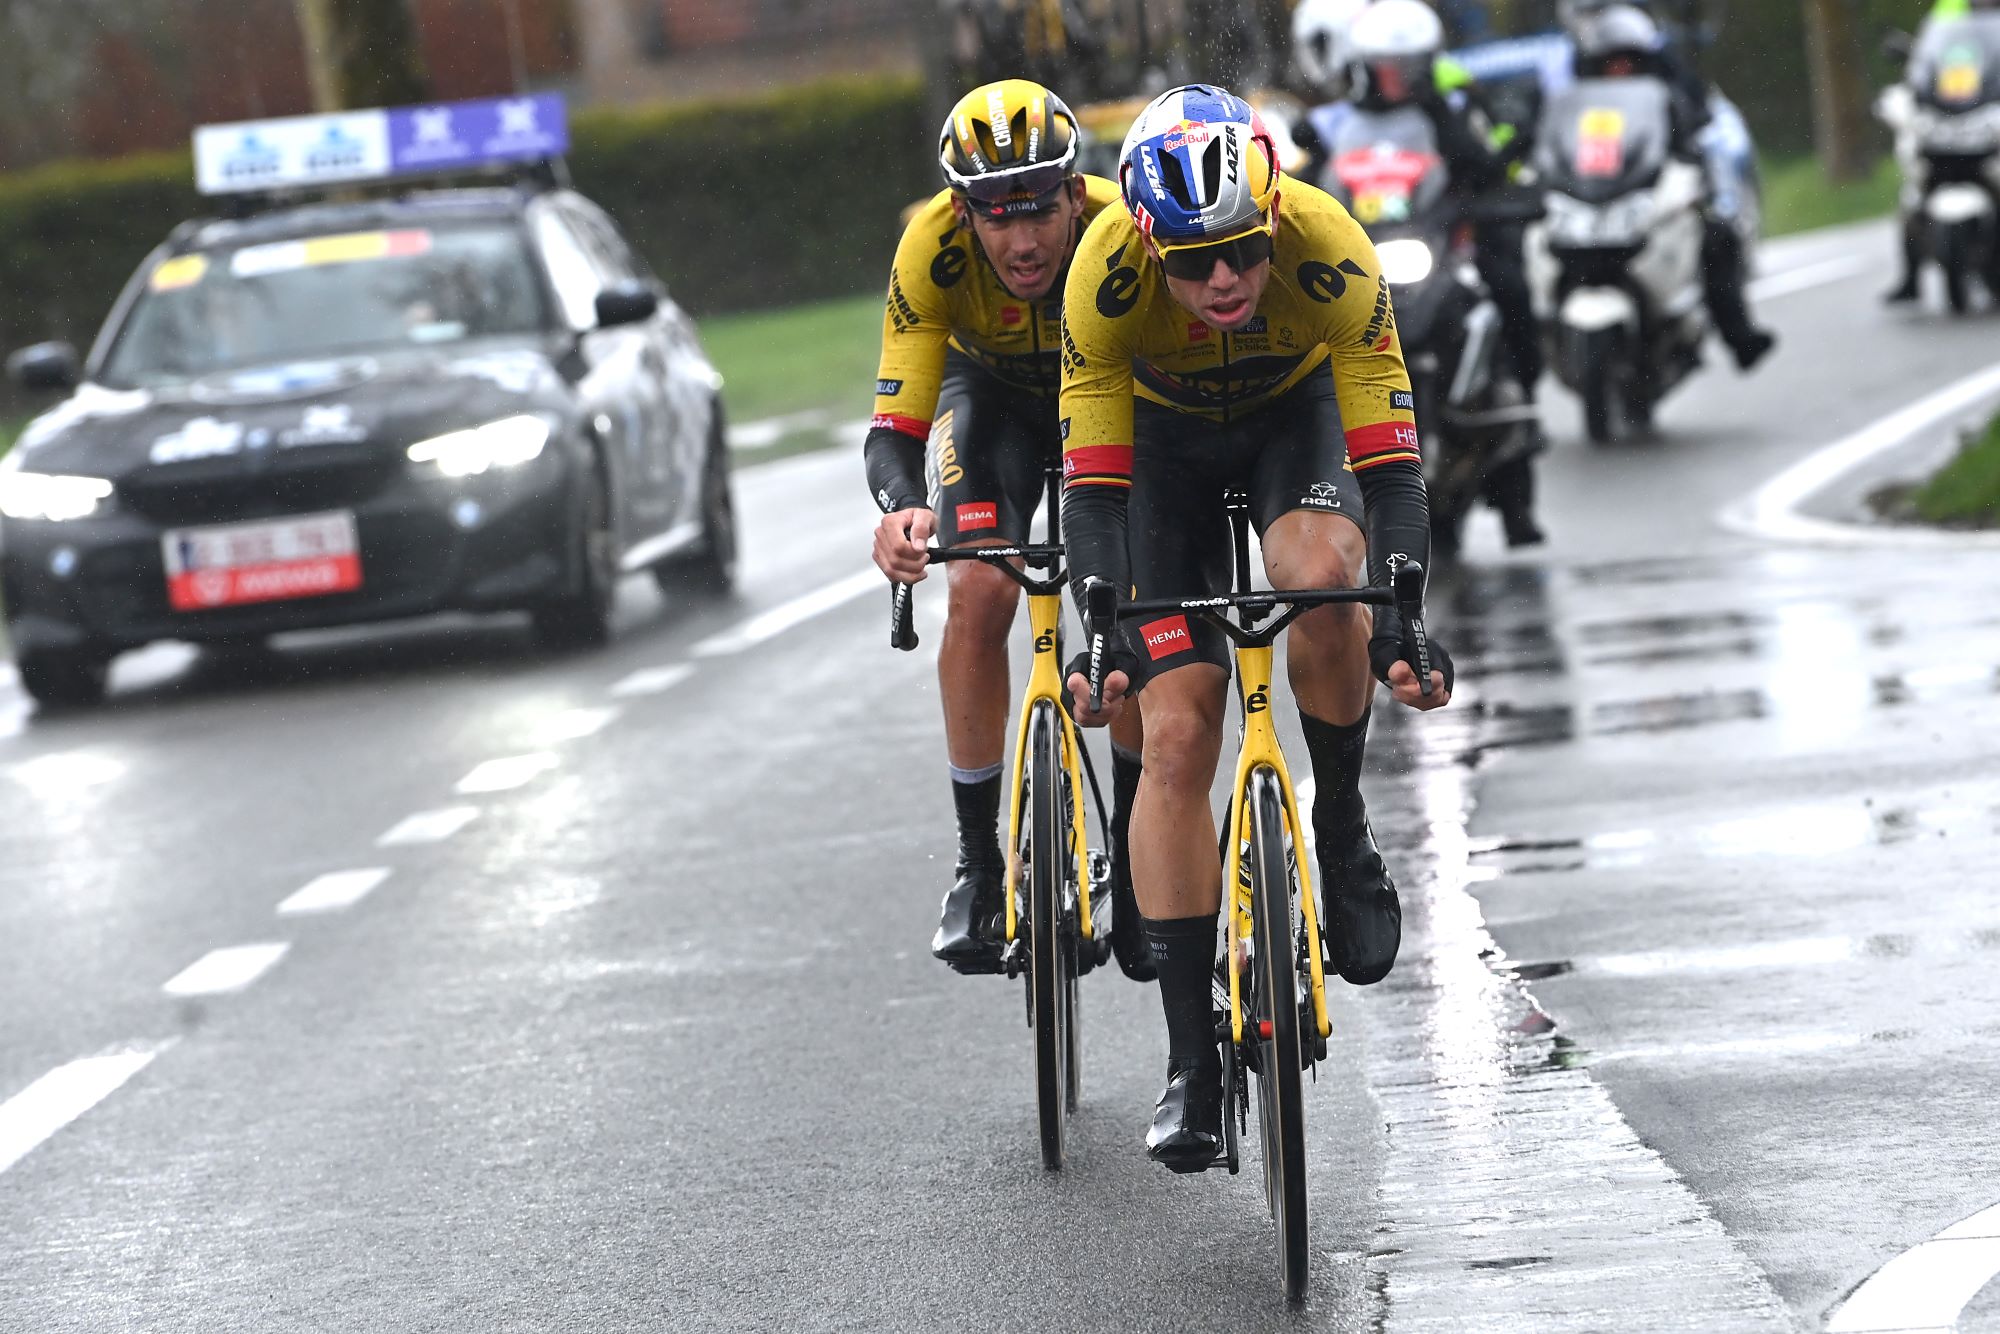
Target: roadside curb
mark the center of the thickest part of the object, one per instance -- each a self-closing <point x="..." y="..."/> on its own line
<point x="1776" y="511"/>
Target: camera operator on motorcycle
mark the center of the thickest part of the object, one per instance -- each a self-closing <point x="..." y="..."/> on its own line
<point x="965" y="400"/>
<point x="1621" y="41"/>
<point x="1396" y="53"/>
<point x="1909" y="208"/>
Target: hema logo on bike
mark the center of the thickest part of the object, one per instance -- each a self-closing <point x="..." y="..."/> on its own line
<point x="1168" y="636"/>
<point x="978" y="514"/>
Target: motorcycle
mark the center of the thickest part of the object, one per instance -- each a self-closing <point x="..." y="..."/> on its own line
<point x="1617" y="264"/>
<point x="1946" y="118"/>
<point x="1472" y="413"/>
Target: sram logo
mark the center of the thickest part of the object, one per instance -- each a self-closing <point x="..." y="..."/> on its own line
<point x="1164" y="637"/>
<point x="978" y="514"/>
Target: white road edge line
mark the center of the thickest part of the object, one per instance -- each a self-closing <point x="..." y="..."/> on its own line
<point x="1807" y="276"/>
<point x="507" y="773"/>
<point x="230" y="968"/>
<point x="1771" y="512"/>
<point x="429" y="826"/>
<point x="1927" y="1286"/>
<point x="576" y="724"/>
<point x="786" y="615"/>
<point x="65" y="1093"/>
<point x="334" y="891"/>
<point x="652" y="680"/>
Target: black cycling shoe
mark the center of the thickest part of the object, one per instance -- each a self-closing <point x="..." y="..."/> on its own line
<point x="1752" y="348"/>
<point x="1128" y="933"/>
<point x="966" y="936"/>
<point x="1186" y="1134"/>
<point x="1364" y="918"/>
<point x="1903" y="291"/>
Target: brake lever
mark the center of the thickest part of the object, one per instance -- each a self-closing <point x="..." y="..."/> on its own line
<point x="1409" y="586"/>
<point x="1100" y="619"/>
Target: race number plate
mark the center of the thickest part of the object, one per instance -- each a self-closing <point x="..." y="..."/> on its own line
<point x="228" y="565"/>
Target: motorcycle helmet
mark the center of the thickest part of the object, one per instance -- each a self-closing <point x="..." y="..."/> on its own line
<point x="1320" y="47"/>
<point x="1574" y="13"/>
<point x="1395" y="46"/>
<point x="1618" y="41"/>
<point x="1008" y="147"/>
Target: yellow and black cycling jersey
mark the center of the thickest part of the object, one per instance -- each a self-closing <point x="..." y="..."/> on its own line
<point x="943" y="294"/>
<point x="1325" y="311"/>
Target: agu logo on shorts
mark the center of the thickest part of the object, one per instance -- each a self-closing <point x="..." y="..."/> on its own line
<point x="1168" y="636"/>
<point x="978" y="514"/>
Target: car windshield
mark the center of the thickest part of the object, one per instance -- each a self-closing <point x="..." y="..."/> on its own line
<point x="323" y="296"/>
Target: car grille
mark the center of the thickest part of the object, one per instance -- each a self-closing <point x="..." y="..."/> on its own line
<point x="185" y="494"/>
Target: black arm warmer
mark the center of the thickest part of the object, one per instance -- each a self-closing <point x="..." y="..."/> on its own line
<point x="895" y="470"/>
<point x="1094" y="535"/>
<point x="1399" y="521"/>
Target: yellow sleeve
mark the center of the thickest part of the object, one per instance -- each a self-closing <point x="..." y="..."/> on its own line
<point x="916" y="321"/>
<point x="1102" y="314"/>
<point x="1377" y="409"/>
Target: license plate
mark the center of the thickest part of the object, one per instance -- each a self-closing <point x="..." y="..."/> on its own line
<point x="228" y="565"/>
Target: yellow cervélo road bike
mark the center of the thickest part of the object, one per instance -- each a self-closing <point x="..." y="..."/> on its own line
<point x="1276" y="1025"/>
<point x="1058" y="890"/>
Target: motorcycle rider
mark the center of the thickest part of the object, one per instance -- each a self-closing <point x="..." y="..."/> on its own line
<point x="1908" y="204"/>
<point x="1621" y="41"/>
<point x="1397" y="51"/>
<point x="965" y="397"/>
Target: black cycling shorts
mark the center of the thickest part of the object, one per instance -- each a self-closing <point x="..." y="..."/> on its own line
<point x="1288" y="455"/>
<point x="990" y="448"/>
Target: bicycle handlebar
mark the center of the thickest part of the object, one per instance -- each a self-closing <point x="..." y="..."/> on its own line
<point x="903" y="633"/>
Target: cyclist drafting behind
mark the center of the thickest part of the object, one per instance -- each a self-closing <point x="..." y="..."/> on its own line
<point x="1253" y="330"/>
<point x="965" y="399"/>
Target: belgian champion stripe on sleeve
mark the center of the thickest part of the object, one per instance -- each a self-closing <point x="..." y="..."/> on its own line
<point x="895" y="421"/>
<point x="1382" y="442"/>
<point x="1097" y="465"/>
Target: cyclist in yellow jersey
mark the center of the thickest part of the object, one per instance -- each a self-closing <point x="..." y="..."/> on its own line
<point x="1218" y="335"/>
<point x="964" y="429"/>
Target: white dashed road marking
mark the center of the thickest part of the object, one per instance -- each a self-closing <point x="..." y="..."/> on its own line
<point x="1808" y="276"/>
<point x="503" y="775"/>
<point x="1926" y="1286"/>
<point x="575" y="724"/>
<point x="334" y="891"/>
<point x="772" y="623"/>
<point x="63" y="1094"/>
<point x="652" y="680"/>
<point x="429" y="826"/>
<point x="229" y="969"/>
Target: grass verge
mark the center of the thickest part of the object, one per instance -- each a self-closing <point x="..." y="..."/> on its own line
<point x="1965" y="493"/>
<point x="817" y="356"/>
<point x="10" y="431"/>
<point x="1798" y="197"/>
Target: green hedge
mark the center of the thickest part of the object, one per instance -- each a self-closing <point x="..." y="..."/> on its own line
<point x="739" y="204"/>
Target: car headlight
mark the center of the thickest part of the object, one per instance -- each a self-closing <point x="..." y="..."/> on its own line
<point x="1404" y="261"/>
<point x="51" y="496"/>
<point x="507" y="443"/>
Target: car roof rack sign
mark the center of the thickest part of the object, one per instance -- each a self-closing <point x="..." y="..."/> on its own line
<point x="527" y="134"/>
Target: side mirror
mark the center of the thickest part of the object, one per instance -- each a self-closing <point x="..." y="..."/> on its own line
<point x="628" y="303"/>
<point x="1897" y="45"/>
<point x="45" y="366"/>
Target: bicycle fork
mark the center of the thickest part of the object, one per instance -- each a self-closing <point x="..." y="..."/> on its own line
<point x="1045" y="683"/>
<point x="1258" y="752"/>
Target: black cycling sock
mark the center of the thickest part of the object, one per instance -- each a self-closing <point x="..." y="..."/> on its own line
<point x="1184" y="949"/>
<point x="1124" y="787"/>
<point x="1337" y="753"/>
<point x="978" y="803"/>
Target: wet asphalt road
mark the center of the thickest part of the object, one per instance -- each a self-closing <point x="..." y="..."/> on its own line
<point x="1693" y="1027"/>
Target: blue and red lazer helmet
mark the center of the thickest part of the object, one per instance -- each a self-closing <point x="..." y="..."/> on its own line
<point x="1198" y="167"/>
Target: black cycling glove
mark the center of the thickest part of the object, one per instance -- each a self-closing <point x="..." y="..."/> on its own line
<point x="1385" y="650"/>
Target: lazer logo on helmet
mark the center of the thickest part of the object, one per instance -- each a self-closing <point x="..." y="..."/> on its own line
<point x="1166" y="637"/>
<point x="978" y="514"/>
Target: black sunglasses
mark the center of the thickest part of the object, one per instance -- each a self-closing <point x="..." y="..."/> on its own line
<point x="1195" y="263"/>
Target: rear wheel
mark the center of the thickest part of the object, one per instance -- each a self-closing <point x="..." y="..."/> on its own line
<point x="1603" y="406"/>
<point x="1955" y="257"/>
<point x="64" y="678"/>
<point x="1275" y="1012"/>
<point x="1051" y="956"/>
<point x="582" y="617"/>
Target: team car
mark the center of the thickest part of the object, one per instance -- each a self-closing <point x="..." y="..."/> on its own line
<point x="322" y="411"/>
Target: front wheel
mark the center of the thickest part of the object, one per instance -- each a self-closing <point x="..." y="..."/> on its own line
<point x="581" y="618"/>
<point x="1051" y="953"/>
<point x="1274" y="1029"/>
